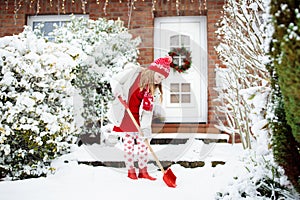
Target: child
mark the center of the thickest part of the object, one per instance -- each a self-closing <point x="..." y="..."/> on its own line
<point x="136" y="85"/>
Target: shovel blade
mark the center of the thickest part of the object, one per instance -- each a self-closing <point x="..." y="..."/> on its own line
<point x="169" y="178"/>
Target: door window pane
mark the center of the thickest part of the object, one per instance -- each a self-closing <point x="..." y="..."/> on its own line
<point x="180" y="41"/>
<point x="175" y="98"/>
<point x="174" y="41"/>
<point x="185" y="87"/>
<point x="176" y="60"/>
<point x="185" y="98"/>
<point x="174" y="87"/>
<point x="180" y="93"/>
<point x="185" y="40"/>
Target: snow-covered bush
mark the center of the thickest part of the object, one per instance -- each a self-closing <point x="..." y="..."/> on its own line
<point x="36" y="103"/>
<point x="244" y="100"/>
<point x="264" y="178"/>
<point x="109" y="47"/>
<point x="241" y="49"/>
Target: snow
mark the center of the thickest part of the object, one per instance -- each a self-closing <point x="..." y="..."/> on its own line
<point x="79" y="181"/>
<point x="73" y="180"/>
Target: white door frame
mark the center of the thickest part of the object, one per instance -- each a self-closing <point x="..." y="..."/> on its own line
<point x="200" y="60"/>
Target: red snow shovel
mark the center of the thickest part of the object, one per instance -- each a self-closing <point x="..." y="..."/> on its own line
<point x="168" y="177"/>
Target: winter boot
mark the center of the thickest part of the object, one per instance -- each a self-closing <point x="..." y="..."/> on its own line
<point x="144" y="174"/>
<point x="132" y="174"/>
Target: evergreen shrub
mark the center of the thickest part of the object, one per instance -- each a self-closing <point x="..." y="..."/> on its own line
<point x="36" y="104"/>
<point x="285" y="73"/>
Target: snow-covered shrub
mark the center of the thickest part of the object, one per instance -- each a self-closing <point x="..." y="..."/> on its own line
<point x="241" y="49"/>
<point x="36" y="103"/>
<point x="264" y="179"/>
<point x="109" y="47"/>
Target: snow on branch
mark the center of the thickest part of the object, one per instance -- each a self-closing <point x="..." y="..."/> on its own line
<point x="241" y="49"/>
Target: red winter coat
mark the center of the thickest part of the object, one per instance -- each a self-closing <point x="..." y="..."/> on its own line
<point x="135" y="98"/>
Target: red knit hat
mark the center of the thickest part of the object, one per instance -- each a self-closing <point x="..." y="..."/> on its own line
<point x="161" y="65"/>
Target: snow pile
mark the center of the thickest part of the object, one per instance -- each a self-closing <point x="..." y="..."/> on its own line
<point x="75" y="181"/>
<point x="36" y="103"/>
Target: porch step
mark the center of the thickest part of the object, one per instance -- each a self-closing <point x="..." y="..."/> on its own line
<point x="182" y="138"/>
<point x="158" y="138"/>
<point x="187" y="150"/>
<point x="165" y="164"/>
<point x="183" y="128"/>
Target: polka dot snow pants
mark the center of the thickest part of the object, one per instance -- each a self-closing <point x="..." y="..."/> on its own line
<point x="129" y="151"/>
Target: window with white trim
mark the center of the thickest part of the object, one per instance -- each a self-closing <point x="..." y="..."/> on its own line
<point x="180" y="93"/>
<point x="49" y="22"/>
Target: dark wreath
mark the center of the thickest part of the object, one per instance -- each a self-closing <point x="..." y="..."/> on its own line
<point x="187" y="61"/>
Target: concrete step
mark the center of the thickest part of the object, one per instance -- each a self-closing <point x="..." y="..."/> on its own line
<point x="182" y="138"/>
<point x="159" y="138"/>
<point x="165" y="164"/>
<point x="194" y="152"/>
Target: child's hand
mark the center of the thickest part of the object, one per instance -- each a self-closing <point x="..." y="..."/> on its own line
<point x="116" y="94"/>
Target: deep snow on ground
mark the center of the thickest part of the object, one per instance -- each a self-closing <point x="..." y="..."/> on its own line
<point x="73" y="181"/>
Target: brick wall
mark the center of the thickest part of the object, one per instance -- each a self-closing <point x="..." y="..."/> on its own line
<point x="141" y="24"/>
<point x="214" y="9"/>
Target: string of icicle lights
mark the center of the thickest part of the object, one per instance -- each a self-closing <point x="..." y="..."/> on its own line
<point x="61" y="4"/>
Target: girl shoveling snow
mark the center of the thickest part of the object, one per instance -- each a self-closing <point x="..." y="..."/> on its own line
<point x="136" y="85"/>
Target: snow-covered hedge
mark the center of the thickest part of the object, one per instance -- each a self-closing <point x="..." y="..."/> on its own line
<point x="108" y="47"/>
<point x="286" y="59"/>
<point x="285" y="70"/>
<point x="36" y="103"/>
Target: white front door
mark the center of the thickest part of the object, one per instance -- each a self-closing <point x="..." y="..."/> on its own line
<point x="185" y="94"/>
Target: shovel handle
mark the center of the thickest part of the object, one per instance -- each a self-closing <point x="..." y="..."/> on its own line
<point x="154" y="155"/>
<point x="123" y="102"/>
<point x="141" y="133"/>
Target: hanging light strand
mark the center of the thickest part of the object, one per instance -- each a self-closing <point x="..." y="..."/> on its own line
<point x="105" y="6"/>
<point x="17" y="7"/>
<point x="63" y="6"/>
<point x="202" y="5"/>
<point x="153" y="7"/>
<point x="177" y="7"/>
<point x="6" y="2"/>
<point x="83" y="4"/>
<point x="38" y="7"/>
